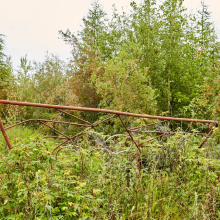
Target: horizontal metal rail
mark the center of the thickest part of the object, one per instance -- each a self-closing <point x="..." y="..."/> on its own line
<point x="104" y="111"/>
<point x="89" y="125"/>
<point x="59" y="122"/>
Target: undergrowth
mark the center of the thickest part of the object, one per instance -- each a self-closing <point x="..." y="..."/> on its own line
<point x="177" y="181"/>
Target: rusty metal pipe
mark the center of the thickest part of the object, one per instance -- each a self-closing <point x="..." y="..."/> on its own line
<point x="104" y="120"/>
<point x="53" y="137"/>
<point x="77" y="135"/>
<point x="62" y="122"/>
<point x="54" y="129"/>
<point x="105" y="111"/>
<point x="147" y="125"/>
<point x="74" y="116"/>
<point x="209" y="134"/>
<point x="70" y="139"/>
<point x="5" y="134"/>
<point x="151" y="139"/>
<point x="59" y="146"/>
<point x="160" y="132"/>
<point x="21" y="123"/>
<point x="132" y="139"/>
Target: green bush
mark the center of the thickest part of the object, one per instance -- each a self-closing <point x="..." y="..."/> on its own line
<point x="178" y="181"/>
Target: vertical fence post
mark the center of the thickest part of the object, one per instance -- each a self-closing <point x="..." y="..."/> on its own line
<point x="5" y="134"/>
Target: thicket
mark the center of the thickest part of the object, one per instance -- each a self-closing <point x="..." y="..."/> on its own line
<point x="174" y="182"/>
<point x="156" y="59"/>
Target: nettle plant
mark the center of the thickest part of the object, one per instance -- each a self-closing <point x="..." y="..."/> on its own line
<point x="103" y="177"/>
<point x="36" y="186"/>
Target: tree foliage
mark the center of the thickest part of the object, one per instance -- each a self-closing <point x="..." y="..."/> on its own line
<point x="5" y="70"/>
<point x="155" y="59"/>
<point x="178" y="50"/>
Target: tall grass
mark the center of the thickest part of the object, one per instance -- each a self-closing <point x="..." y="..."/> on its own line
<point x="178" y="181"/>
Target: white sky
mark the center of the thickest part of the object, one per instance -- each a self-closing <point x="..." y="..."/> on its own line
<point x="31" y="26"/>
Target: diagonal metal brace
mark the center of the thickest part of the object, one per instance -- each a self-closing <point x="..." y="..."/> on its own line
<point x="5" y="134"/>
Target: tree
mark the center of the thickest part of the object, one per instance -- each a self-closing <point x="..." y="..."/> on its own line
<point x="45" y="82"/>
<point x="206" y="103"/>
<point x="2" y="55"/>
<point x="178" y="50"/>
<point x="86" y="46"/>
<point x="123" y="86"/>
<point x="179" y="80"/>
<point x="5" y="70"/>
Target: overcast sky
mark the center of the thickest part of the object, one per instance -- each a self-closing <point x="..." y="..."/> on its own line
<point x="31" y="26"/>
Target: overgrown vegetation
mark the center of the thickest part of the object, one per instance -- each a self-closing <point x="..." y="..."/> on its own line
<point x="156" y="59"/>
<point x="175" y="182"/>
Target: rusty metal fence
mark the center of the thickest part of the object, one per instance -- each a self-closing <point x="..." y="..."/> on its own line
<point x="88" y="125"/>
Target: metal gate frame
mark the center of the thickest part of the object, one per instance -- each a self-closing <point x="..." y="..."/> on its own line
<point x="89" y="125"/>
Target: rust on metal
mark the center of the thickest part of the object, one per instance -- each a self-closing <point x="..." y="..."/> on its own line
<point x="90" y="125"/>
<point x="20" y="123"/>
<point x="104" y="120"/>
<point x="209" y="134"/>
<point x="63" y="122"/>
<point x="168" y="132"/>
<point x="132" y="139"/>
<point x="59" y="146"/>
<point x="59" y="151"/>
<point x="69" y="140"/>
<point x="53" y="137"/>
<point x="5" y="134"/>
<point x="104" y="111"/>
<point x="54" y="129"/>
<point x="60" y="122"/>
<point x="77" y="135"/>
<point x="75" y="117"/>
<point x="151" y="139"/>
<point x="131" y="129"/>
